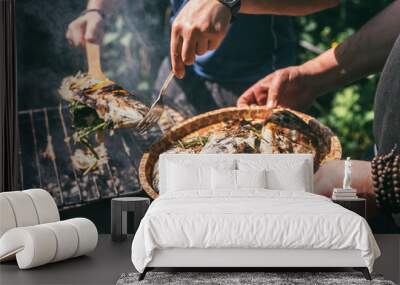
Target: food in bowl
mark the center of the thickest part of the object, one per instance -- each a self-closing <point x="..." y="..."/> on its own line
<point x="281" y="132"/>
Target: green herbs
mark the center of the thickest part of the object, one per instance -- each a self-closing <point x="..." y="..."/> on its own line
<point x="85" y="122"/>
<point x="193" y="142"/>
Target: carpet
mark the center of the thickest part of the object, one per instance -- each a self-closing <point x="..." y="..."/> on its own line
<point x="243" y="278"/>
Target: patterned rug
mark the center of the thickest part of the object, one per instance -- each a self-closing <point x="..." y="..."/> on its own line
<point x="244" y="278"/>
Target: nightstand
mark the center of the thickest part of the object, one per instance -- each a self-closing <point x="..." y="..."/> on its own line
<point x="119" y="209"/>
<point x="358" y="205"/>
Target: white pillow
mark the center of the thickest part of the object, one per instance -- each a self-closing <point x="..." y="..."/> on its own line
<point x="181" y="177"/>
<point x="190" y="174"/>
<point x="226" y="179"/>
<point x="283" y="175"/>
<point x="294" y="179"/>
<point x="251" y="178"/>
<point x="223" y="179"/>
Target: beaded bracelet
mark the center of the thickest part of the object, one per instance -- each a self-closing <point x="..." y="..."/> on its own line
<point x="386" y="180"/>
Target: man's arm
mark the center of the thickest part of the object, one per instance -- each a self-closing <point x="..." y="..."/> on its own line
<point x="89" y="27"/>
<point x="286" y="7"/>
<point x="361" y="54"/>
<point x="105" y="5"/>
<point x="202" y="24"/>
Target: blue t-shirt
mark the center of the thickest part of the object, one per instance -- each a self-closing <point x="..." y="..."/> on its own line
<point x="254" y="46"/>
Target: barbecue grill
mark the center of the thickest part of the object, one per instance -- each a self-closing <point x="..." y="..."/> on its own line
<point x="47" y="147"/>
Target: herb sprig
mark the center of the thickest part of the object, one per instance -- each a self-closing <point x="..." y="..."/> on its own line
<point x="85" y="122"/>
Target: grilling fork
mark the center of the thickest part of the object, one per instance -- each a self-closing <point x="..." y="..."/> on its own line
<point x="157" y="108"/>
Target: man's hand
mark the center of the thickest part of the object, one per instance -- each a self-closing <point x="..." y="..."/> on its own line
<point x="289" y="87"/>
<point x="199" y="27"/>
<point x="88" y="27"/>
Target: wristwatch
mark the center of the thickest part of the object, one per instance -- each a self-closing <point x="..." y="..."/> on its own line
<point x="233" y="5"/>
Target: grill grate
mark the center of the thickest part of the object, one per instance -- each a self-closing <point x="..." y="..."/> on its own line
<point x="46" y="150"/>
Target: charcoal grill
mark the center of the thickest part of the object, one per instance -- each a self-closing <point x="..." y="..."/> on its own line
<point x="46" y="149"/>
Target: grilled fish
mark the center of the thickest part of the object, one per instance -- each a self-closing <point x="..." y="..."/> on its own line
<point x="113" y="104"/>
<point x="284" y="132"/>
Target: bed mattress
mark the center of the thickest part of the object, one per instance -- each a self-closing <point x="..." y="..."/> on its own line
<point x="250" y="219"/>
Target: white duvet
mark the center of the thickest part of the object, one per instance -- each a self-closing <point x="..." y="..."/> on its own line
<point x="250" y="219"/>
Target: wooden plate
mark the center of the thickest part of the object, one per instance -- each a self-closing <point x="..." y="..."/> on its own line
<point x="194" y="126"/>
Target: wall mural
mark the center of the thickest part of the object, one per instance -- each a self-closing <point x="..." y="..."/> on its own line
<point x="62" y="150"/>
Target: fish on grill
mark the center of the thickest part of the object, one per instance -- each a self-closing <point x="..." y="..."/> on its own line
<point x="114" y="105"/>
<point x="97" y="106"/>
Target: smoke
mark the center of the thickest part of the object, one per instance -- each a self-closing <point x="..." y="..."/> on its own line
<point x="134" y="45"/>
<point x="44" y="56"/>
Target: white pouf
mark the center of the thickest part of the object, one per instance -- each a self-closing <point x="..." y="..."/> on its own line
<point x="33" y="246"/>
<point x="67" y="240"/>
<point x="23" y="208"/>
<point x="87" y="234"/>
<point x="31" y="231"/>
<point x="26" y="208"/>
<point x="37" y="245"/>
<point x="7" y="218"/>
<point x="45" y="206"/>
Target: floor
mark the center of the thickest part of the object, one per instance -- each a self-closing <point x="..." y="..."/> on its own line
<point x="111" y="259"/>
<point x="103" y="266"/>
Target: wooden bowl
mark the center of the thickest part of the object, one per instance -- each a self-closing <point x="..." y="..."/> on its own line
<point x="194" y="124"/>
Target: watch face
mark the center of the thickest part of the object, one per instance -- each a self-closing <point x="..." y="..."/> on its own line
<point x="230" y="2"/>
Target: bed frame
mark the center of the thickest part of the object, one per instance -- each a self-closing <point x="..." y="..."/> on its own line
<point x="256" y="258"/>
<point x="242" y="258"/>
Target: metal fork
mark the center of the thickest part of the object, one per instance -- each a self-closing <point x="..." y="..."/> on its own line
<point x="156" y="109"/>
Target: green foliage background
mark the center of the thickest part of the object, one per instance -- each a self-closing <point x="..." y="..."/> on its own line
<point x="348" y="111"/>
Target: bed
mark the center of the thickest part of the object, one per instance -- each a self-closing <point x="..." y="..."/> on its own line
<point x="247" y="210"/>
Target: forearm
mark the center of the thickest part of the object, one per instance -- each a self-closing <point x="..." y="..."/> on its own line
<point x="107" y="6"/>
<point x="361" y="54"/>
<point x="286" y="7"/>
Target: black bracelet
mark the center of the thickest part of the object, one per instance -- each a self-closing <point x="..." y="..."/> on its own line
<point x="100" y="12"/>
<point x="386" y="180"/>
